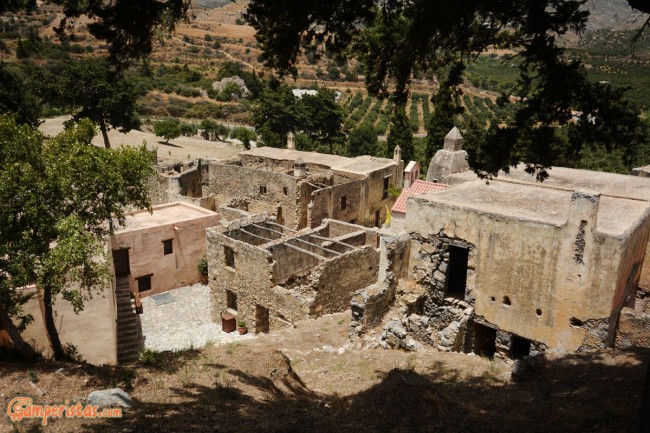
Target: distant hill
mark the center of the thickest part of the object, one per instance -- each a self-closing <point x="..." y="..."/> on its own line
<point x="613" y="15"/>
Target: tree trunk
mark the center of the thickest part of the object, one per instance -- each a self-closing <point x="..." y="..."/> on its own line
<point x="25" y="350"/>
<point x="50" y="326"/>
<point x="102" y="127"/>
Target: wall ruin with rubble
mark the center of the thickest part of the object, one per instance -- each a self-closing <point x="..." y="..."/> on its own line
<point x="528" y="285"/>
<point x="290" y="274"/>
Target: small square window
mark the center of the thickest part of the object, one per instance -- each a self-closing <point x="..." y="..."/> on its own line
<point x="344" y="202"/>
<point x="229" y="256"/>
<point x="144" y="283"/>
<point x="285" y="190"/>
<point x="262" y="189"/>
<point x="168" y="246"/>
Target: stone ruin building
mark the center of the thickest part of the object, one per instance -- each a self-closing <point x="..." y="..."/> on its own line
<point x="299" y="189"/>
<point x="271" y="276"/>
<point x="512" y="267"/>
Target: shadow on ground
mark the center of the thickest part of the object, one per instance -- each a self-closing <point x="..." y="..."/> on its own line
<point x="577" y="393"/>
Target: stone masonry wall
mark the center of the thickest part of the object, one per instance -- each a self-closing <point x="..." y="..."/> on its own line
<point x="228" y="182"/>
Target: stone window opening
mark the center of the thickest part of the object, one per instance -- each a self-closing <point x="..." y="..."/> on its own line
<point x="231" y="300"/>
<point x="344" y="202"/>
<point x="538" y="312"/>
<point x="506" y="301"/>
<point x="144" y="283"/>
<point x="519" y="347"/>
<point x="168" y="247"/>
<point x="262" y="189"/>
<point x="574" y="321"/>
<point x="386" y="186"/>
<point x="285" y="190"/>
<point x="229" y="256"/>
<point x="457" y="272"/>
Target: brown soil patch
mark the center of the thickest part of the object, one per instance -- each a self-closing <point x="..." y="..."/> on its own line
<point x="298" y="381"/>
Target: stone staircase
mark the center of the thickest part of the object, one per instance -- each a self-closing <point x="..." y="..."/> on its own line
<point x="129" y="330"/>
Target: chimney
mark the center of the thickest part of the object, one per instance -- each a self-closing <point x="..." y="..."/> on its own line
<point x="397" y="154"/>
<point x="291" y="141"/>
<point x="299" y="169"/>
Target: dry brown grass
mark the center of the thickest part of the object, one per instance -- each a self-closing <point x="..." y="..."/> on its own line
<point x="286" y="382"/>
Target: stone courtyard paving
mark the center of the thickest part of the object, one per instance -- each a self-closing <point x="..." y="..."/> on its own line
<point x="181" y="319"/>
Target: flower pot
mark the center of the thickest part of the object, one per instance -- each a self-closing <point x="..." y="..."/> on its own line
<point x="242" y="330"/>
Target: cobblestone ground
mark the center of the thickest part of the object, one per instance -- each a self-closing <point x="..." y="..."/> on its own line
<point x="184" y="322"/>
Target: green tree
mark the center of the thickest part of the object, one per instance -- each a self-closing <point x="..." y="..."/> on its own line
<point x="362" y="140"/>
<point x="275" y="114"/>
<point x="92" y="90"/>
<point x="58" y="196"/>
<point x="16" y="97"/>
<point x="245" y="135"/>
<point x="168" y="129"/>
<point x="400" y="134"/>
<point x="210" y="126"/>
<point x="321" y="119"/>
<point x="446" y="110"/>
<point x="401" y="39"/>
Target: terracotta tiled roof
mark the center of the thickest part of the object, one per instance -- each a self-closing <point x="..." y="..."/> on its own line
<point x="418" y="187"/>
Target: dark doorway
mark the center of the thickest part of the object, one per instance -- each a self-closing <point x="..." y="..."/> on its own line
<point x="279" y="218"/>
<point x="261" y="319"/>
<point x="231" y="300"/>
<point x="457" y="271"/>
<point x="121" y="262"/>
<point x="377" y="217"/>
<point x="519" y="347"/>
<point x="485" y="340"/>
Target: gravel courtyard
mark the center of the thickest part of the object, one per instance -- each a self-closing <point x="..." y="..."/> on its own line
<point x="180" y="319"/>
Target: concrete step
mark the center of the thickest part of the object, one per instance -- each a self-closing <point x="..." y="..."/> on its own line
<point x="123" y="335"/>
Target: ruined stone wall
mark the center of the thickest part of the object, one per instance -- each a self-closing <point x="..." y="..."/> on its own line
<point x="230" y="214"/>
<point x="250" y="279"/>
<point x="336" y="280"/>
<point x="523" y="276"/>
<point x="327" y="203"/>
<point x="374" y="195"/>
<point x="288" y="261"/>
<point x="157" y="186"/>
<point x="371" y="303"/>
<point x="228" y="182"/>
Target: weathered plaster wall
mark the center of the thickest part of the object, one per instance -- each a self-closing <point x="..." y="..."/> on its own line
<point x="93" y="331"/>
<point x="531" y="263"/>
<point x="171" y="271"/>
<point x="629" y="273"/>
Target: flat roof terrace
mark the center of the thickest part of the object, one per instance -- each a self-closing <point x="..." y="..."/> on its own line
<point x="292" y="155"/>
<point x="610" y="184"/>
<point x="534" y="202"/>
<point x="163" y="215"/>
